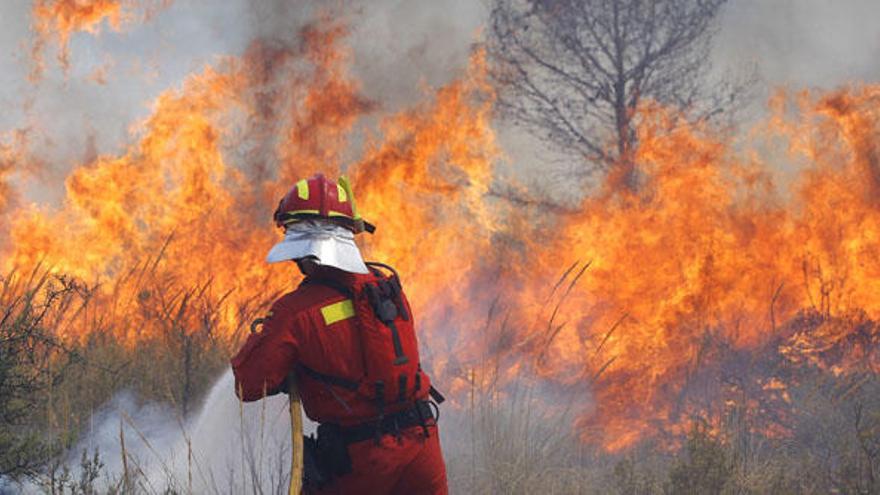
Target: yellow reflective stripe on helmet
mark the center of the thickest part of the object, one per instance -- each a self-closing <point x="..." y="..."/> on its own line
<point x="302" y="189"/>
<point x="337" y="214"/>
<point x="349" y="194"/>
<point x="342" y="310"/>
<point x="292" y="214"/>
<point x="341" y="194"/>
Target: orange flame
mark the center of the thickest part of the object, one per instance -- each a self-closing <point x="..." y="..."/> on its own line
<point x="54" y="21"/>
<point x="709" y="250"/>
<point x="15" y="160"/>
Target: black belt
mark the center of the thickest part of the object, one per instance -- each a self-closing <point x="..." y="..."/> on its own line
<point x="327" y="457"/>
<point x="421" y="414"/>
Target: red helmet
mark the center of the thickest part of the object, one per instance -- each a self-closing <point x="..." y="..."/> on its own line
<point x="319" y="198"/>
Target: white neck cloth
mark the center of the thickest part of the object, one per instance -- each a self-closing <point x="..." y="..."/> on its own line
<point x="332" y="244"/>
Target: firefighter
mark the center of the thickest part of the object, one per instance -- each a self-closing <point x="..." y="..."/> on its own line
<point x="347" y="336"/>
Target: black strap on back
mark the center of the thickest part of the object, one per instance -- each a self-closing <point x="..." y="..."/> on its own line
<point x="380" y="295"/>
<point x="380" y="406"/>
<point x="437" y="396"/>
<point x="330" y="379"/>
<point x="401" y="388"/>
<point x="393" y="289"/>
<point x="375" y="266"/>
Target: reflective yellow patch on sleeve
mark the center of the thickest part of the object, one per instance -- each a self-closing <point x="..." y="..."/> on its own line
<point x="342" y="310"/>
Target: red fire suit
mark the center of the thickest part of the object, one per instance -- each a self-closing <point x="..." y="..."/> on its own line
<point x="306" y="329"/>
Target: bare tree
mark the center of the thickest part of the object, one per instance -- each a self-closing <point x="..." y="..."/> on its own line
<point x="576" y="72"/>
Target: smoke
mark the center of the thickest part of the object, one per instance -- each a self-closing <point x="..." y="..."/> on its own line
<point x="115" y="75"/>
<point x="789" y="43"/>
<point x="802" y="43"/>
<point x="234" y="447"/>
<point x="227" y="447"/>
<point x="397" y="47"/>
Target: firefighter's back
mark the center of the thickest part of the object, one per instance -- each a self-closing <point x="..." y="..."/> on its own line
<point x="360" y="377"/>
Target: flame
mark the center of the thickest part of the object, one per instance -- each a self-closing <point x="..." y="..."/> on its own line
<point x="54" y="21"/>
<point x="710" y="248"/>
<point x="15" y="160"/>
<point x="626" y="299"/>
<point x="8" y="159"/>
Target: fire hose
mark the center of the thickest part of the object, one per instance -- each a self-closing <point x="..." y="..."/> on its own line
<point x="296" y="427"/>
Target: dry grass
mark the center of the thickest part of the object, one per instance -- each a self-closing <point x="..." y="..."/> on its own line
<point x="511" y="438"/>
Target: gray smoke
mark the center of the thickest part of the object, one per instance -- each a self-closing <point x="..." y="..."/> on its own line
<point x="803" y="43"/>
<point x="227" y="447"/>
<point x="398" y="46"/>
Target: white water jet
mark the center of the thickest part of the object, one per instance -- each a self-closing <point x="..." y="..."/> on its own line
<point x="228" y="447"/>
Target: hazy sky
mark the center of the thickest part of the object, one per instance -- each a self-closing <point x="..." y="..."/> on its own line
<point x="804" y="42"/>
<point x="398" y="45"/>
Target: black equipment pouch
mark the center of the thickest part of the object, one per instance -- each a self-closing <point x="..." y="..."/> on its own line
<point x="332" y="451"/>
<point x="314" y="477"/>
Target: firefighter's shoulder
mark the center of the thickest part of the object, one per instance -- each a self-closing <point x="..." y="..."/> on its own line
<point x="311" y="297"/>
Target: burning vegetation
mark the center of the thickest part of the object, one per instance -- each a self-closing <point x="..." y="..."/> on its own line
<point x="713" y="291"/>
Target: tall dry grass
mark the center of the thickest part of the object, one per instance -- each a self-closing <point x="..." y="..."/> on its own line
<point x="66" y="350"/>
<point x="500" y="436"/>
